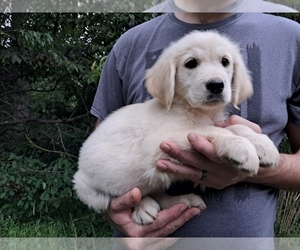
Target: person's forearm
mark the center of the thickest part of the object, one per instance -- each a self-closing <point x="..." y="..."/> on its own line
<point x="286" y="176"/>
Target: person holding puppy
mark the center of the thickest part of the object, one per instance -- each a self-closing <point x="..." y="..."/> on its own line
<point x="236" y="206"/>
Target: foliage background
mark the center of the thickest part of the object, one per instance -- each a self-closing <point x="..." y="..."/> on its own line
<point x="95" y="5"/>
<point x="49" y="70"/>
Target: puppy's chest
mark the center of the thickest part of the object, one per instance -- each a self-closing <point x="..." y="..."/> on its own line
<point x="201" y="119"/>
<point x="187" y="121"/>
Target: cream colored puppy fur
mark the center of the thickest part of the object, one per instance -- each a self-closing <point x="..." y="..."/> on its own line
<point x="191" y="82"/>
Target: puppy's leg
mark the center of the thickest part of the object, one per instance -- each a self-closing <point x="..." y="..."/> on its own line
<point x="191" y="200"/>
<point x="266" y="150"/>
<point x="236" y="150"/>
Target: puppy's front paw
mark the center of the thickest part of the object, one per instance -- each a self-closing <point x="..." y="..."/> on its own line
<point x="239" y="152"/>
<point x="266" y="150"/>
<point x="146" y="212"/>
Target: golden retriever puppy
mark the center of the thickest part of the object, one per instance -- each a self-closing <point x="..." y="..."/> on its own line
<point x="191" y="84"/>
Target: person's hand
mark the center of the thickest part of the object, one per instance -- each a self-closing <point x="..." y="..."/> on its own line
<point x="203" y="166"/>
<point x="235" y="119"/>
<point x="120" y="211"/>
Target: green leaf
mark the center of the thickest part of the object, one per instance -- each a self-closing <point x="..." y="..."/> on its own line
<point x="56" y="203"/>
<point x="15" y="58"/>
<point x="11" y="156"/>
<point x="3" y="181"/>
<point x="14" y="164"/>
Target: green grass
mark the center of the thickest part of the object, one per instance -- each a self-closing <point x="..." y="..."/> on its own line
<point x="288" y="215"/>
<point x="10" y="228"/>
<point x="53" y="228"/>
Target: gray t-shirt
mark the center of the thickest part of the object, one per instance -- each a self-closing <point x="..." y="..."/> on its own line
<point x="236" y="6"/>
<point x="271" y="49"/>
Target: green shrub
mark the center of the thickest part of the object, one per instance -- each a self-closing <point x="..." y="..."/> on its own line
<point x="51" y="65"/>
<point x="34" y="191"/>
<point x="288" y="214"/>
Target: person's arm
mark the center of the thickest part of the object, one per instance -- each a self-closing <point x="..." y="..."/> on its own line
<point x="120" y="211"/>
<point x="285" y="176"/>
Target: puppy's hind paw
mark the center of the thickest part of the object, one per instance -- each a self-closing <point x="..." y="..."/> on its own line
<point x="146" y="212"/>
<point x="193" y="200"/>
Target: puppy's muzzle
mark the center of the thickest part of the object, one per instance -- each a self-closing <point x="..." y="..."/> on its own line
<point x="215" y="86"/>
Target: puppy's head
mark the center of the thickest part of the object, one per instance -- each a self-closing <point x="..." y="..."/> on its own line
<point x="204" y="68"/>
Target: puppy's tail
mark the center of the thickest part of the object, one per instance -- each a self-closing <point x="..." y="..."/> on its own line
<point x="88" y="195"/>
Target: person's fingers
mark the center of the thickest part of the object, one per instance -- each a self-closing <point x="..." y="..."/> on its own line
<point x="171" y="219"/>
<point x="235" y="119"/>
<point x="193" y="163"/>
<point x="204" y="147"/>
<point x="120" y="212"/>
<point x="186" y="157"/>
<point x="167" y="222"/>
<point x="186" y="172"/>
<point x="128" y="200"/>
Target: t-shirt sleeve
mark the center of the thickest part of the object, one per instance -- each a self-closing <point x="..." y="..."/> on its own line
<point x="294" y="105"/>
<point x="109" y="95"/>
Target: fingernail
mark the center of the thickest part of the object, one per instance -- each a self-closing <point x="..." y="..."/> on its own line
<point x="192" y="137"/>
<point x="219" y="123"/>
<point x="161" y="166"/>
<point x="131" y="196"/>
<point x="183" y="208"/>
<point x="196" y="213"/>
<point x="165" y="147"/>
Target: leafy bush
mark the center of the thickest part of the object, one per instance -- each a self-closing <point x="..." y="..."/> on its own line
<point x="32" y="188"/>
<point x="50" y="67"/>
<point x="36" y="191"/>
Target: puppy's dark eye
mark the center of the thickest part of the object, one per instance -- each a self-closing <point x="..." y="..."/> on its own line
<point x="191" y="64"/>
<point x="225" y="62"/>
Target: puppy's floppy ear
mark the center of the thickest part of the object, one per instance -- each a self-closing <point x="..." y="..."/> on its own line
<point x="242" y="81"/>
<point x="160" y="79"/>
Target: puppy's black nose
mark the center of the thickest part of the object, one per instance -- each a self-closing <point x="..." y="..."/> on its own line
<point x="215" y="86"/>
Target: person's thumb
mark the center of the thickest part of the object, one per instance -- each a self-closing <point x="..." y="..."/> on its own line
<point x="128" y="200"/>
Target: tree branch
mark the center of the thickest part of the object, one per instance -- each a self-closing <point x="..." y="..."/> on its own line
<point x="47" y="150"/>
<point x="42" y="121"/>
